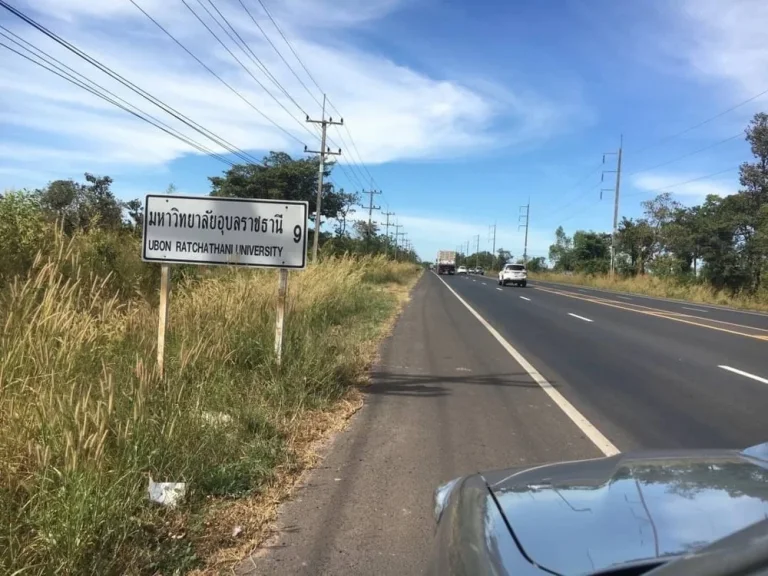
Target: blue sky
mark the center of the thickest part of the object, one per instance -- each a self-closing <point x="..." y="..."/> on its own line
<point x="459" y="110"/>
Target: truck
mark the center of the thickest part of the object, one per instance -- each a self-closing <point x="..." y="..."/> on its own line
<point x="446" y="262"/>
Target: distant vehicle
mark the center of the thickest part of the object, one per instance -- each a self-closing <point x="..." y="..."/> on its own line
<point x="462" y="270"/>
<point x="446" y="262"/>
<point x="513" y="274"/>
<point x="480" y="271"/>
<point x="472" y="271"/>
<point x="665" y="513"/>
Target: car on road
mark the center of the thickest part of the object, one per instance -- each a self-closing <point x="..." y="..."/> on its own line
<point x="515" y="274"/>
<point x="462" y="270"/>
<point x="479" y="271"/>
<point x="661" y="513"/>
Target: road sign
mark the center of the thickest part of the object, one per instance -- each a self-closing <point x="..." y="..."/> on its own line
<point x="230" y="231"/>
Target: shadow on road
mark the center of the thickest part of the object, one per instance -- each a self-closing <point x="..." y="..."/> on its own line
<point x="432" y="385"/>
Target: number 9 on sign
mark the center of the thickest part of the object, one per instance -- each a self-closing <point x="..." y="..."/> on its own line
<point x="297" y="234"/>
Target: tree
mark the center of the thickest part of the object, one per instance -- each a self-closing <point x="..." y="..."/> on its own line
<point x="634" y="241"/>
<point x="538" y="264"/>
<point x="348" y="202"/>
<point x="591" y="252"/>
<point x="560" y="253"/>
<point x="503" y="256"/>
<point x="280" y="177"/>
<point x="79" y="206"/>
<point x="135" y="210"/>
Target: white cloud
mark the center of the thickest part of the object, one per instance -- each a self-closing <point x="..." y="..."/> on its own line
<point x="658" y="183"/>
<point x="727" y="41"/>
<point x="393" y="111"/>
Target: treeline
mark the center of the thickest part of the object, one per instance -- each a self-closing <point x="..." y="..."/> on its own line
<point x="108" y="230"/>
<point x="282" y="177"/>
<point x="722" y="242"/>
<point x="489" y="261"/>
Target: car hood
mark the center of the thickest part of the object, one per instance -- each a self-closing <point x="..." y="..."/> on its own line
<point x="584" y="517"/>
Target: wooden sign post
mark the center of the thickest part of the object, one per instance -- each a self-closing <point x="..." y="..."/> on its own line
<point x="282" y="289"/>
<point x="162" y="326"/>
<point x="205" y="231"/>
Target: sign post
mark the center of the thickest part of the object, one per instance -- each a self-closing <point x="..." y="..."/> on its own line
<point x="282" y="289"/>
<point x="205" y="230"/>
<point x="162" y="326"/>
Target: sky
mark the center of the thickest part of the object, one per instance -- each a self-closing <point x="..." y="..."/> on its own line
<point x="459" y="111"/>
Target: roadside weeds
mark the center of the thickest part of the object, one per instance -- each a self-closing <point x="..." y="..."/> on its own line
<point x="658" y="287"/>
<point x="86" y="420"/>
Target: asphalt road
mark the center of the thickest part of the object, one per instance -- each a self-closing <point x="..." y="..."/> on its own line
<point x="476" y="376"/>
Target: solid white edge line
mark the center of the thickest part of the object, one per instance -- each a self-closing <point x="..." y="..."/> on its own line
<point x="499" y="289"/>
<point x="590" y="431"/>
<point x="580" y="317"/>
<point x="524" y="298"/>
<point x="624" y="297"/>
<point x="696" y="309"/>
<point x="742" y="373"/>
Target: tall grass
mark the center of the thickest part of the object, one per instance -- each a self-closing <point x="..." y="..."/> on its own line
<point x="661" y="287"/>
<point x="86" y="420"/>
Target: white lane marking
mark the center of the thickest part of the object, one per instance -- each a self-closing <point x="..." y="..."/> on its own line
<point x="473" y="280"/>
<point x="524" y="298"/>
<point x="499" y="289"/>
<point x="742" y="373"/>
<point x="484" y="284"/>
<point x="695" y="309"/>
<point x="589" y="430"/>
<point x="580" y="317"/>
<point x="580" y="290"/>
<point x="624" y="297"/>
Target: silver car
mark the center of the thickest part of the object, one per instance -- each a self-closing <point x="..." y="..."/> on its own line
<point x="665" y="513"/>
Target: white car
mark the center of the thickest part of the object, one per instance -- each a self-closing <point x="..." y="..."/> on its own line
<point x="513" y="274"/>
<point x="461" y="270"/>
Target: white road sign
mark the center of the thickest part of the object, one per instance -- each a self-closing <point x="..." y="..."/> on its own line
<point x="232" y="231"/>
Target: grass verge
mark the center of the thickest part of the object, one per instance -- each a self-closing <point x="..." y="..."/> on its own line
<point x="663" y="288"/>
<point x="85" y="419"/>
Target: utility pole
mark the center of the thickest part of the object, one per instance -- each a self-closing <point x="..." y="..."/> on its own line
<point x="615" y="201"/>
<point x="527" y="216"/>
<point x="397" y="233"/>
<point x="477" y="253"/>
<point x="493" y="253"/>
<point x="323" y="152"/>
<point x="386" y="232"/>
<point x="370" y="206"/>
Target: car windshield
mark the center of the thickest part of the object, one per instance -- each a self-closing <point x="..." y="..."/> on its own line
<point x="516" y="267"/>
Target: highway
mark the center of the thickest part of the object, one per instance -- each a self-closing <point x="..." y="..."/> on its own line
<point x="477" y="376"/>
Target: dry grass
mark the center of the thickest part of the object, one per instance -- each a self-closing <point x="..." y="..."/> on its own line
<point x="664" y="288"/>
<point x="253" y="518"/>
<point x="85" y="418"/>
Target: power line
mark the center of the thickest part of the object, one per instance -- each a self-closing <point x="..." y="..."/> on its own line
<point x="140" y="91"/>
<point x="243" y="66"/>
<point x="204" y="65"/>
<point x="57" y="70"/>
<point x="255" y="59"/>
<point x="702" y="123"/>
<point x="279" y="53"/>
<point x="663" y="188"/>
<point x="312" y="78"/>
<point x="687" y="155"/>
<point x="354" y="145"/>
<point x="572" y="202"/>
<point x="291" y="48"/>
<point x="578" y="183"/>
